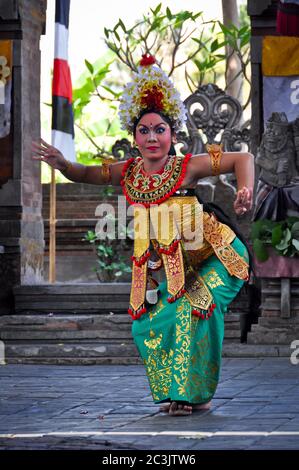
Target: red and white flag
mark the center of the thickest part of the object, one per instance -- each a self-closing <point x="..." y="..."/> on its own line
<point x="62" y="111"/>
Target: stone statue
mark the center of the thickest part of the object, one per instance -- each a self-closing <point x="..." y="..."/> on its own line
<point x="276" y="155"/>
<point x="278" y="160"/>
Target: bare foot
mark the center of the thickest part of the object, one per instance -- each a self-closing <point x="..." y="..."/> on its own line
<point x="179" y="409"/>
<point x="201" y="406"/>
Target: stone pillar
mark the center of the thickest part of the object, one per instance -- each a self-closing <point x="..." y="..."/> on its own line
<point x="263" y="22"/>
<point x="21" y="223"/>
<point x="279" y="321"/>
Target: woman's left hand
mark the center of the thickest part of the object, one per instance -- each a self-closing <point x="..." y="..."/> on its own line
<point x="243" y="201"/>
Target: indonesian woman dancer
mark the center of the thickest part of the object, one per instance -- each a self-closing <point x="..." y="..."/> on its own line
<point x="200" y="258"/>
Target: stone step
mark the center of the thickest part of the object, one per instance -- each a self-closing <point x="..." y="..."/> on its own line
<point x="276" y="329"/>
<point x="72" y="298"/>
<point x="256" y="350"/>
<point x="62" y="322"/>
<point x="93" y="353"/>
<point x="50" y="321"/>
<point x="54" y="349"/>
<point x="232" y="318"/>
<point x="232" y="334"/>
<point x="124" y="333"/>
<point x="274" y="336"/>
<point x="275" y="322"/>
<point x="68" y="327"/>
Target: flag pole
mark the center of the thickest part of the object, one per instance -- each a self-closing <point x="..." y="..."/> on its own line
<point x="62" y="116"/>
<point x="52" y="229"/>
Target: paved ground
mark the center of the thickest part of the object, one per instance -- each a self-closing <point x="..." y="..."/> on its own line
<point x="110" y="407"/>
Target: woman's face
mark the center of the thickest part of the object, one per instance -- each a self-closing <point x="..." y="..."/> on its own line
<point x="153" y="136"/>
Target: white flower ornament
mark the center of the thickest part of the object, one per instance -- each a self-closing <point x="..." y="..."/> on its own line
<point x="150" y="89"/>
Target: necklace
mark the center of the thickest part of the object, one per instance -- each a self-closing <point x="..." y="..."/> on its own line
<point x="155" y="172"/>
<point x="140" y="187"/>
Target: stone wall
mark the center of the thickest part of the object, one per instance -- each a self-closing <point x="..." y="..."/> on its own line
<point x="21" y="224"/>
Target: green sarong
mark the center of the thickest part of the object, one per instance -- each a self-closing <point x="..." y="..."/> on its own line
<point x="182" y="352"/>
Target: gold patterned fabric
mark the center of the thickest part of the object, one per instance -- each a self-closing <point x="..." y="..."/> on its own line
<point x="180" y="351"/>
<point x="182" y="234"/>
<point x="214" y="238"/>
<point x="214" y="233"/>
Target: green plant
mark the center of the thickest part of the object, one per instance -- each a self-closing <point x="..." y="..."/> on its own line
<point x="111" y="264"/>
<point x="283" y="236"/>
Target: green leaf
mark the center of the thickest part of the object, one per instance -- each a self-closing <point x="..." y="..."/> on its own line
<point x="197" y="15"/>
<point x="276" y="235"/>
<point x="245" y="40"/>
<point x="260" y="250"/>
<point x="106" y="33"/>
<point x="256" y="229"/>
<point x="122" y="25"/>
<point x="295" y="243"/>
<point x="157" y="9"/>
<point x="89" y="66"/>
<point x="288" y="234"/>
<point x="285" y="241"/>
<point x="116" y="35"/>
<point x="116" y="95"/>
<point x="226" y="31"/>
<point x="283" y="245"/>
<point x="295" y="230"/>
<point x="168" y="13"/>
<point x="214" y="45"/>
<point x="243" y="30"/>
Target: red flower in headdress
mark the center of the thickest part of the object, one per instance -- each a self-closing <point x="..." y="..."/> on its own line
<point x="152" y="98"/>
<point x="147" y="59"/>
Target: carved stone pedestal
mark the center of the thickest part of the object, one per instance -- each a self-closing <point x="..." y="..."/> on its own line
<point x="279" y="322"/>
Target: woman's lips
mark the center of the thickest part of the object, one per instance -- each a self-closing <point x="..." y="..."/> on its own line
<point x="152" y="148"/>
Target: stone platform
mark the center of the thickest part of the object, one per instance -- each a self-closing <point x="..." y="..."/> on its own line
<point x="110" y="407"/>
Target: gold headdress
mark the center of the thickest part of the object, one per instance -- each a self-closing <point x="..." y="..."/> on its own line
<point x="150" y="89"/>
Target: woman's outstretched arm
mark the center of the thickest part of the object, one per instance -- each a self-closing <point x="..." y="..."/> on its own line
<point x="100" y="174"/>
<point x="240" y="163"/>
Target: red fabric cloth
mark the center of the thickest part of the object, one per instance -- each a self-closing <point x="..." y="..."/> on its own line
<point x="62" y="84"/>
<point x="277" y="266"/>
<point x="287" y="21"/>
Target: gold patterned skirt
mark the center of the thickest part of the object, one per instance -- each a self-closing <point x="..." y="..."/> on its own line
<point x="182" y="352"/>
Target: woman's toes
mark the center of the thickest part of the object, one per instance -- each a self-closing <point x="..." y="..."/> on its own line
<point x="178" y="409"/>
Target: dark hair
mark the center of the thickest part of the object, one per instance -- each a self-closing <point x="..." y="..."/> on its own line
<point x="164" y="117"/>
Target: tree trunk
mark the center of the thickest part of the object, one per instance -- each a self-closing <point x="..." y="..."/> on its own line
<point x="231" y="16"/>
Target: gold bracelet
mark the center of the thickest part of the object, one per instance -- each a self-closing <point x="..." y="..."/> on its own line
<point x="68" y="166"/>
<point x="106" y="172"/>
<point x="215" y="151"/>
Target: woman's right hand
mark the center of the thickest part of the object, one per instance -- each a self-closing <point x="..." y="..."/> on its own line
<point x="49" y="154"/>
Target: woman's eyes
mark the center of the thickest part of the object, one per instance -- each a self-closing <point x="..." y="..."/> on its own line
<point x="159" y="130"/>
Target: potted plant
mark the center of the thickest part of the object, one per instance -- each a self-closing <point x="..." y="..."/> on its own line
<point x="111" y="262"/>
<point x="280" y="238"/>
